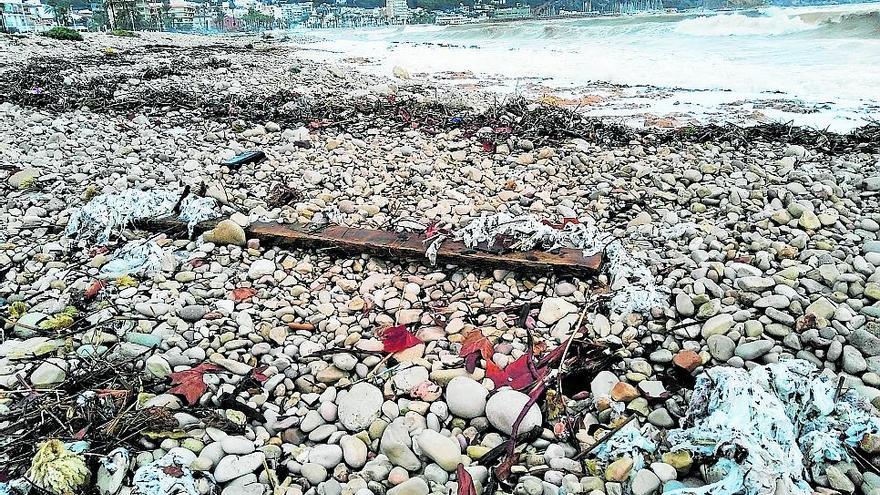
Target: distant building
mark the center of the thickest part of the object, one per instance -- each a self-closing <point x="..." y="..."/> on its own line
<point x="182" y="15"/>
<point x="13" y="18"/>
<point x="397" y="11"/>
<point x="294" y="14"/>
<point x="513" y="13"/>
<point x="451" y="19"/>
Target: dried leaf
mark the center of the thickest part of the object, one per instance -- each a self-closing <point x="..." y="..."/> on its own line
<point x="191" y="383"/>
<point x="173" y="471"/>
<point x="398" y="338"/>
<point x="257" y="374"/>
<point x="432" y="230"/>
<point x="126" y="281"/>
<point x="17" y="310"/>
<point x="465" y="482"/>
<point x="93" y="290"/>
<point x="517" y="375"/>
<point x="474" y="345"/>
<point x="242" y="293"/>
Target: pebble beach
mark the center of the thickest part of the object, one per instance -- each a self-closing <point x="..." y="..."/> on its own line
<point x="765" y="253"/>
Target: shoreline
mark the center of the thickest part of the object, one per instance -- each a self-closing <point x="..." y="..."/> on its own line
<point x="227" y="362"/>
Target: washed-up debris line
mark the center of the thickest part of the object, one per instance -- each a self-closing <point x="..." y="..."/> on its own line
<point x="37" y="84"/>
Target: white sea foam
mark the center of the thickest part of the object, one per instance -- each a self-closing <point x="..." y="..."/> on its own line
<point x="774" y="22"/>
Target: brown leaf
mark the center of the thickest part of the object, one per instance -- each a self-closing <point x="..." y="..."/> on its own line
<point x="191" y="383"/>
<point x="242" y="293"/>
<point x="474" y="345"/>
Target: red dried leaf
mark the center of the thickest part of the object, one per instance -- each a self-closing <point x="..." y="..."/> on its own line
<point x="517" y="375"/>
<point x="191" y="383"/>
<point x="242" y="293"/>
<point x="465" y="482"/>
<point x="81" y="433"/>
<point x="398" y="338"/>
<point x="432" y="230"/>
<point x="93" y="290"/>
<point x="197" y="262"/>
<point x="257" y="374"/>
<point x="474" y="345"/>
<point x="173" y="471"/>
<point x="488" y="146"/>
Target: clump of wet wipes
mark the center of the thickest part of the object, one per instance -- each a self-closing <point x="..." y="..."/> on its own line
<point x="138" y="258"/>
<point x="631" y="279"/>
<point x="775" y="424"/>
<point x="110" y="213"/>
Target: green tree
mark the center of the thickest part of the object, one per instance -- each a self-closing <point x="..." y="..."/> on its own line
<point x="60" y="9"/>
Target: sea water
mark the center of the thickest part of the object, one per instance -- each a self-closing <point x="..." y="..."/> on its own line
<point x="816" y="66"/>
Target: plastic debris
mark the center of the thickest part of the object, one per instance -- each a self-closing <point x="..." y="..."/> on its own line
<point x="632" y="281"/>
<point x="768" y="429"/>
<point x="170" y="474"/>
<point x="630" y="441"/>
<point x="58" y="470"/>
<point x="109" y="214"/>
<point x="139" y="258"/>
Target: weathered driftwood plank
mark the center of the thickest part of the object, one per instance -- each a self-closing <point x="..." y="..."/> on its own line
<point x="402" y="245"/>
<point x="389" y="244"/>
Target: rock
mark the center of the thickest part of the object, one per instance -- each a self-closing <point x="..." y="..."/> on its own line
<point x="865" y="341"/>
<point x="505" y="405"/>
<point x="158" y="366"/>
<point x="354" y="451"/>
<point x="645" y="482"/>
<point x="603" y="383"/>
<point x="396" y="444"/>
<point x="838" y="480"/>
<point x="236" y="444"/>
<point x="192" y="313"/>
<point x="684" y="305"/>
<point x="717" y="325"/>
<point x="872" y="291"/>
<point x="721" y="347"/>
<point x="314" y="473"/>
<point x="227" y="232"/>
<point x="679" y="459"/>
<point x="624" y="392"/>
<point x="412" y="486"/>
<point x="234" y="466"/>
<point x="554" y="309"/>
<point x="407" y="379"/>
<point x="440" y="449"/>
<point x="619" y="469"/>
<point x="328" y="456"/>
<point x="49" y="373"/>
<point x="821" y="307"/>
<point x="400" y="73"/>
<point x="360" y="406"/>
<point x="687" y="360"/>
<point x="753" y="350"/>
<point x="260" y="268"/>
<point x="23" y="177"/>
<point x="466" y="397"/>
<point x="809" y="221"/>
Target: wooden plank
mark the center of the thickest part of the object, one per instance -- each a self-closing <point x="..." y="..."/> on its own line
<point x="411" y="246"/>
<point x="394" y="245"/>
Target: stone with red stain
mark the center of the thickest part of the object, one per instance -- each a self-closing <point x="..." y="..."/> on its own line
<point x="689" y="360"/>
<point x="624" y="392"/>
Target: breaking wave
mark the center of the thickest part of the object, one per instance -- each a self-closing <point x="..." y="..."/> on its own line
<point x="775" y="22"/>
